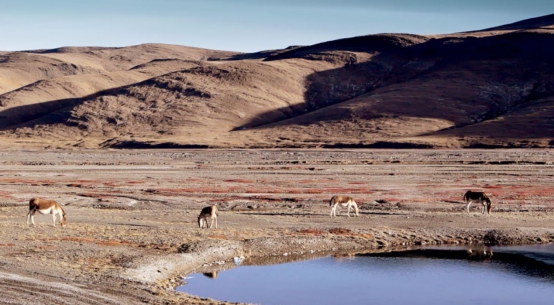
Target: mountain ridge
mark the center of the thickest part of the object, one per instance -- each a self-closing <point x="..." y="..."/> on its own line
<point x="488" y="88"/>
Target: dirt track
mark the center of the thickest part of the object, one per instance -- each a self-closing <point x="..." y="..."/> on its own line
<point x="132" y="228"/>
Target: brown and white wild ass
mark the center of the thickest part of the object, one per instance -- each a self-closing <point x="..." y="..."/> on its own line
<point x="45" y="207"/>
<point x="478" y="197"/>
<point x="206" y="212"/>
<point x="345" y="201"/>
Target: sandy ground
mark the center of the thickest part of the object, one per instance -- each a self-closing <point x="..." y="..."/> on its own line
<point x="132" y="231"/>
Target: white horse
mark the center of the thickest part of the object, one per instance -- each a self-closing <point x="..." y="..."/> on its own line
<point x="206" y="212"/>
<point x="478" y="197"/>
<point x="345" y="201"/>
<point x="45" y="207"/>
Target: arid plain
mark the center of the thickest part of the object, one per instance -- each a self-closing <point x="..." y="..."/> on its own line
<point x="132" y="231"/>
<point x="269" y="137"/>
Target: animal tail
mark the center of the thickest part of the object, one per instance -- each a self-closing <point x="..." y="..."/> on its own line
<point x="332" y="201"/>
<point x="466" y="195"/>
<point x="32" y="203"/>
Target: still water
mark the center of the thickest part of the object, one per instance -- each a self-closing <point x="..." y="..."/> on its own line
<point x="515" y="275"/>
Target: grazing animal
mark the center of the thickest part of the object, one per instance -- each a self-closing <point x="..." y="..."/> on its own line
<point x="45" y="207"/>
<point x="206" y="212"/>
<point x="478" y="197"/>
<point x="345" y="201"/>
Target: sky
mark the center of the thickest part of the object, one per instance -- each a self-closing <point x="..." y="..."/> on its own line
<point x="243" y="25"/>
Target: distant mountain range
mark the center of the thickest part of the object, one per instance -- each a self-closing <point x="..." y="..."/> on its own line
<point x="487" y="88"/>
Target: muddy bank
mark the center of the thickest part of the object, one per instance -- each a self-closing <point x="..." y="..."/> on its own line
<point x="215" y="255"/>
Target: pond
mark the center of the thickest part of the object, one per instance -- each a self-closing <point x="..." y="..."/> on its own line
<point x="513" y="275"/>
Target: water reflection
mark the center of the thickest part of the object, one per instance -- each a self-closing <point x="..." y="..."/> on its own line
<point x="479" y="252"/>
<point x="211" y="275"/>
<point x="418" y="276"/>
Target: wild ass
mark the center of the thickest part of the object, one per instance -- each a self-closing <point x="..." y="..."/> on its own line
<point x="45" y="207"/>
<point x="345" y="201"/>
<point x="478" y="197"/>
<point x="206" y="212"/>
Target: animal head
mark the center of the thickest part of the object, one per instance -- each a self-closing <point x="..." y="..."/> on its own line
<point x="63" y="221"/>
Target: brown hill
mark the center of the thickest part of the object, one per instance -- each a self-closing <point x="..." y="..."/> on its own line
<point x="491" y="88"/>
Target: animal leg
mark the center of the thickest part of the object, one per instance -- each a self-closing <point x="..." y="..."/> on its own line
<point x="484" y="205"/>
<point x="28" y="217"/>
<point x="356" y="209"/>
<point x="333" y="211"/>
<point x="349" y="206"/>
<point x="216" y="222"/>
<point x="54" y="219"/>
<point x="32" y="216"/>
<point x="467" y="207"/>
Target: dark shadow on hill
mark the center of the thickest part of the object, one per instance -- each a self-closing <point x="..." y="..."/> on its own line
<point x="48" y="112"/>
<point x="519" y="61"/>
<point x="58" y="111"/>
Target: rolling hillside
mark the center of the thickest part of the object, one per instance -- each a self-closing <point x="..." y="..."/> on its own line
<point x="488" y="88"/>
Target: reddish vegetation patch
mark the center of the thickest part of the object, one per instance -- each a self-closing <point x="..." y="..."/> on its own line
<point x="136" y="182"/>
<point x="5" y="195"/>
<point x="7" y="245"/>
<point x="16" y="180"/>
<point x="340" y="231"/>
<point x="315" y="232"/>
<point x="312" y="191"/>
<point x="239" y="180"/>
<point x="292" y="192"/>
<point x="79" y="239"/>
<point x="314" y="181"/>
<point x="195" y="180"/>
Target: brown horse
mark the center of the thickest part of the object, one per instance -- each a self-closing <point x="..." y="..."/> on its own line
<point x="478" y="197"/>
<point x="45" y="207"/>
<point x="206" y="212"/>
<point x="345" y="201"/>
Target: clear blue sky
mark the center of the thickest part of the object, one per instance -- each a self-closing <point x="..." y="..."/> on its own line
<point x="243" y="25"/>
